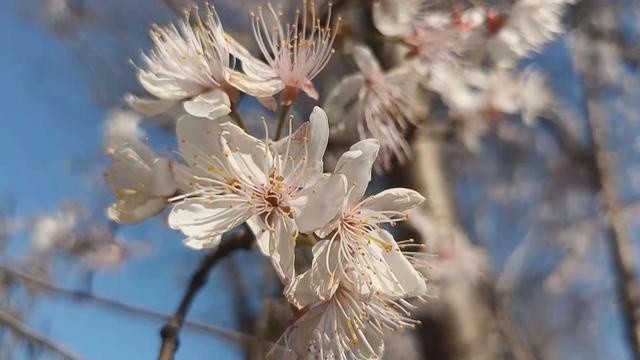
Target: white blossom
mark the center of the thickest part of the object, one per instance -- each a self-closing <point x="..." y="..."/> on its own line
<point x="141" y="182"/>
<point x="278" y="188"/>
<point x="345" y="327"/>
<point x="530" y="24"/>
<point x="122" y="127"/>
<point x="358" y="251"/>
<point x="49" y="230"/>
<point x="188" y="65"/>
<point x="294" y="55"/>
<point x="380" y="104"/>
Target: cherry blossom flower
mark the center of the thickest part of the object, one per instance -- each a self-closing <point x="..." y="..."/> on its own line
<point x="188" y="65"/>
<point x="294" y="55"/>
<point x="529" y="25"/>
<point x="379" y="102"/>
<point x="345" y="326"/>
<point x="141" y="181"/>
<point x="479" y="98"/>
<point x="358" y="251"/>
<point x="278" y="188"/>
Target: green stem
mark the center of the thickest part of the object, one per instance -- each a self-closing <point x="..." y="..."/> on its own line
<point x="284" y="111"/>
<point x="236" y="117"/>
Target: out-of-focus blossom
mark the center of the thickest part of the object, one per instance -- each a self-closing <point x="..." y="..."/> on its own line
<point x="530" y="24"/>
<point x="479" y="98"/>
<point x="277" y="187"/>
<point x="50" y="230"/>
<point x="189" y="65"/>
<point x="397" y="17"/>
<point x="379" y="103"/>
<point x="345" y="327"/>
<point x="141" y="182"/>
<point x="122" y="128"/>
<point x="294" y="55"/>
<point x="358" y="251"/>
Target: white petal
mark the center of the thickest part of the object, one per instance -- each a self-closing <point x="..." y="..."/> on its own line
<point x="301" y="291"/>
<point x="204" y="242"/>
<point x="356" y="165"/>
<point x="203" y="219"/>
<point x="167" y="88"/>
<point x="259" y="230"/>
<point x="321" y="203"/>
<point x="251" y="65"/>
<point x="199" y="143"/>
<point x="132" y="212"/>
<point x="397" y="199"/>
<point x="366" y="61"/>
<point x="309" y="140"/>
<point x="260" y="88"/>
<point x="148" y="106"/>
<point x="342" y="97"/>
<point x="310" y="90"/>
<point x="325" y="269"/>
<point x="410" y="281"/>
<point x="246" y="155"/>
<point x="212" y="105"/>
<point x="282" y="249"/>
<point x="163" y="184"/>
<point x="393" y="17"/>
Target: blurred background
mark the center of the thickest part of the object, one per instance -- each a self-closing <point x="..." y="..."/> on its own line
<point x="533" y="228"/>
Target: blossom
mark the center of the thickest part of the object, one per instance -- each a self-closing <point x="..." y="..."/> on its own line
<point x="358" y="251"/>
<point x="379" y="102"/>
<point x="277" y="188"/>
<point x="141" y="182"/>
<point x="49" y="230"/>
<point x="529" y="25"/>
<point x="122" y="127"/>
<point x="188" y="65"/>
<point x="478" y="98"/>
<point x="294" y="55"/>
<point x="345" y="327"/>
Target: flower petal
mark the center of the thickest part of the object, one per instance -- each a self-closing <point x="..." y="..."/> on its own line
<point x="167" y="88"/>
<point x="404" y="275"/>
<point x="149" y="106"/>
<point x="356" y="165"/>
<point x="133" y="212"/>
<point x="320" y="203"/>
<point x="282" y="248"/>
<point x="261" y="234"/>
<point x="201" y="219"/>
<point x="396" y="199"/>
<point x="212" y="105"/>
<point x="366" y="61"/>
<point x="340" y="103"/>
<point x="260" y="88"/>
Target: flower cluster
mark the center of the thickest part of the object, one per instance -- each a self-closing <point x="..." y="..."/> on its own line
<point x="360" y="282"/>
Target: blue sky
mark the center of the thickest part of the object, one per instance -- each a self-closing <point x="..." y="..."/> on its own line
<point x="51" y="122"/>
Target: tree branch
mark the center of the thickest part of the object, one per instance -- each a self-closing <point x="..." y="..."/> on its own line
<point x="620" y="242"/>
<point x="120" y="306"/>
<point x="243" y="239"/>
<point x="20" y="330"/>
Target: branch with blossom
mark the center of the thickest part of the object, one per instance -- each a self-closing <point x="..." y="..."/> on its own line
<point x="360" y="282"/>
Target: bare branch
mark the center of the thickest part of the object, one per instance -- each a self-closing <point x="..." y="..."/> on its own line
<point x="120" y="306"/>
<point x="23" y="331"/>
<point x="243" y="239"/>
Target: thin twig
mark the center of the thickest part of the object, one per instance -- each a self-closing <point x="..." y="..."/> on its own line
<point x="120" y="306"/>
<point x="284" y="111"/>
<point x="21" y="330"/>
<point x="242" y="239"/>
<point x="620" y="242"/>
